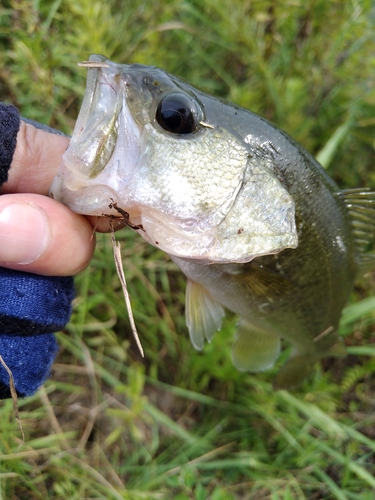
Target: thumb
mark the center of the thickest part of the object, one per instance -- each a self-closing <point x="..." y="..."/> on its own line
<point x="42" y="236"/>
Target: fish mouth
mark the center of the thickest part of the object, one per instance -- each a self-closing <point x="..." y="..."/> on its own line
<point x="81" y="198"/>
<point x="99" y="162"/>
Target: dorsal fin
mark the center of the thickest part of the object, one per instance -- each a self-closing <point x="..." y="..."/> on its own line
<point x="366" y="263"/>
<point x="203" y="314"/>
<point x="361" y="206"/>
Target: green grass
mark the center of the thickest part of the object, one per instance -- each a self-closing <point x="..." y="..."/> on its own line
<point x="183" y="424"/>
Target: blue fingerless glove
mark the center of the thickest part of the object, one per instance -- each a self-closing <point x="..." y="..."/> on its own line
<point x="31" y="306"/>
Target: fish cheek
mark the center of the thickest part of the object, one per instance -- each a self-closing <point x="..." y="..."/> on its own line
<point x="261" y="221"/>
<point x="189" y="179"/>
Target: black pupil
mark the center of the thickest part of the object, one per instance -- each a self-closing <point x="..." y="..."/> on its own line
<point x="175" y="115"/>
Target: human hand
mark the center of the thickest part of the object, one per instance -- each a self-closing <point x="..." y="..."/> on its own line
<point x="38" y="234"/>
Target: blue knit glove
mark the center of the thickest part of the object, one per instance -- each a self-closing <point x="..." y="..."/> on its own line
<point x="31" y="306"/>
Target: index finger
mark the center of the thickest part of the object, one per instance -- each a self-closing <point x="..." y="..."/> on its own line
<point x="36" y="160"/>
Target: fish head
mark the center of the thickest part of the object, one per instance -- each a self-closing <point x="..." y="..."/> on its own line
<point x="165" y="153"/>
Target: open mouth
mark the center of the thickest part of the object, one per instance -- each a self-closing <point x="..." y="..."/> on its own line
<point x="99" y="161"/>
<point x="83" y="199"/>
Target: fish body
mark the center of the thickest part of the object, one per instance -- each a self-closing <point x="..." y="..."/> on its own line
<point x="247" y="214"/>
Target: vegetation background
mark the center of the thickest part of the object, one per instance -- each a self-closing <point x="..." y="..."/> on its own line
<point x="184" y="424"/>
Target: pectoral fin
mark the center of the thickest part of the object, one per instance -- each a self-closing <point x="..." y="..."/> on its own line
<point x="254" y="350"/>
<point x="261" y="282"/>
<point x="203" y="314"/>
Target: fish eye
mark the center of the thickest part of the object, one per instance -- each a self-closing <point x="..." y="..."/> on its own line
<point x="176" y="113"/>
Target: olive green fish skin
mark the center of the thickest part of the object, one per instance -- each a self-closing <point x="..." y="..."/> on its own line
<point x="187" y="192"/>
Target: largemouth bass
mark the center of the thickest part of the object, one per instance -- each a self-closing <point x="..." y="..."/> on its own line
<point x="247" y="214"/>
